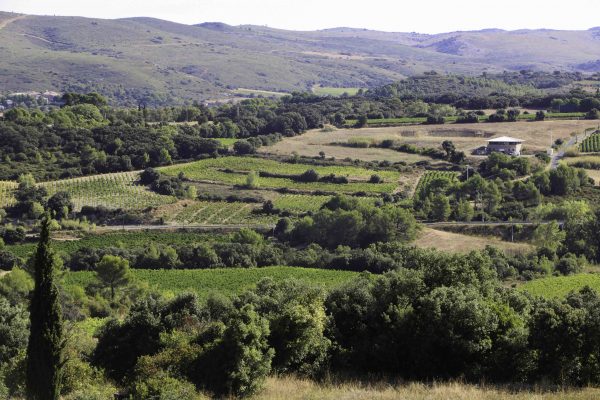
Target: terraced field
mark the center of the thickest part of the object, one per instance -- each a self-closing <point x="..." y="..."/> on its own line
<point x="233" y="170"/>
<point x="118" y="190"/>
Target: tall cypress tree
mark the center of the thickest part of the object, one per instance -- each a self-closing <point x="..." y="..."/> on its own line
<point x="46" y="343"/>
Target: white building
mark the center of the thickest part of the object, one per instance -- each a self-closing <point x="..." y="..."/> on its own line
<point x="505" y="144"/>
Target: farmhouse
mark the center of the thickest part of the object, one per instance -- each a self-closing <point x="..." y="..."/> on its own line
<point x="505" y="144"/>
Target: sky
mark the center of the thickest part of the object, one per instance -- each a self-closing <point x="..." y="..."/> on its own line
<point x="423" y="16"/>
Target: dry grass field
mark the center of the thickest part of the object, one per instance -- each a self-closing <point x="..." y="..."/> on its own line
<point x="313" y="142"/>
<point x="457" y="243"/>
<point x="595" y="175"/>
<point x="466" y="137"/>
<point x="290" y="388"/>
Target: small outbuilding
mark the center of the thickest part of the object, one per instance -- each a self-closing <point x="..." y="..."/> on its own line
<point x="505" y="144"/>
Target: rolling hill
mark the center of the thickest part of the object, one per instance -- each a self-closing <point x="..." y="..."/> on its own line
<point x="166" y="62"/>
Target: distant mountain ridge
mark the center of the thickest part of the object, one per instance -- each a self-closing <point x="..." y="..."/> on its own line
<point x="162" y="62"/>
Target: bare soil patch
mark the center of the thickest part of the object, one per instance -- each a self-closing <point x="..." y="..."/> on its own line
<point x="457" y="243"/>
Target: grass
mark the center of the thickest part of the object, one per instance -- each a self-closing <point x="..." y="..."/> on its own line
<point x="258" y="92"/>
<point x="227" y="142"/>
<point x="588" y="161"/>
<point x="334" y="91"/>
<point x="293" y="388"/>
<point x="226" y="281"/>
<point x="310" y="144"/>
<point x="560" y="286"/>
<point x="459" y="243"/>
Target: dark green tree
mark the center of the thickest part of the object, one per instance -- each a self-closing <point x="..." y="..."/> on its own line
<point x="46" y="342"/>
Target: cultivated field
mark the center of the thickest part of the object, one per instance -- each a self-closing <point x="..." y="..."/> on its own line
<point x="560" y="286"/>
<point x="7" y="196"/>
<point x="118" y="190"/>
<point x="225" y="281"/>
<point x="457" y="243"/>
<point x="334" y="91"/>
<point x="123" y="239"/>
<point x="590" y="144"/>
<point x="466" y="137"/>
<point x="430" y="175"/>
<point x="212" y="213"/>
<point x="234" y="171"/>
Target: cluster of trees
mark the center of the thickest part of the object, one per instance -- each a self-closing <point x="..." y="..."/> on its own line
<point x="563" y="180"/>
<point x="344" y="222"/>
<point x="505" y="166"/>
<point x="443" y="198"/>
<point x="489" y="91"/>
<point x="493" y="193"/>
<point x="86" y="136"/>
<point x="433" y="315"/>
<point x="32" y="201"/>
<point x="168" y="185"/>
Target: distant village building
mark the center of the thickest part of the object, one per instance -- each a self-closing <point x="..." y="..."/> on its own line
<point x="505" y="144"/>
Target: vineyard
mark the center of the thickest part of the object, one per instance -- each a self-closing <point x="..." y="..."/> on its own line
<point x="303" y="203"/>
<point x="122" y="239"/>
<point x="217" y="213"/>
<point x="118" y="190"/>
<point x="233" y="170"/>
<point x="431" y="175"/>
<point x="590" y="144"/>
<point x="560" y="286"/>
<point x="7" y="195"/>
<point x="226" y="281"/>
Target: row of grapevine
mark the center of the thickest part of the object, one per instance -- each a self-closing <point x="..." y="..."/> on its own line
<point x="118" y="190"/>
<point x="590" y="144"/>
<point x="431" y="175"/>
<point x="202" y="168"/>
<point x="233" y="171"/>
<point x="7" y="193"/>
<point x="218" y="213"/>
<point x="303" y="203"/>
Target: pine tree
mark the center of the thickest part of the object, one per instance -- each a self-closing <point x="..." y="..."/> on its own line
<point x="46" y="343"/>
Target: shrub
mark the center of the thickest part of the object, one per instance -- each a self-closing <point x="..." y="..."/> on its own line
<point x="309" y="176"/>
<point x="237" y="361"/>
<point x="242" y="147"/>
<point x="375" y="179"/>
